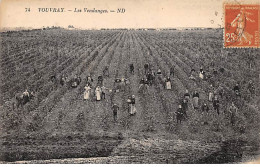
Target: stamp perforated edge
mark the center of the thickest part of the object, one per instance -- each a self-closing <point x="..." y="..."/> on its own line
<point x="223" y="23"/>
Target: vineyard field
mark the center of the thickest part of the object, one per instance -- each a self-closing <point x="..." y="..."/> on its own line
<point x="57" y="123"/>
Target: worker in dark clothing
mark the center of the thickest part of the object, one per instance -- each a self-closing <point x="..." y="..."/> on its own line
<point x="141" y="83"/>
<point x="205" y="108"/>
<point x="179" y="114"/>
<point x="216" y="104"/>
<point x="150" y="78"/>
<point x="215" y="72"/>
<point x="237" y="90"/>
<point x="131" y="66"/>
<point x="233" y="113"/>
<point x="172" y="71"/>
<point x="184" y="106"/>
<point x="195" y="97"/>
<point x="115" y="109"/>
<point x="146" y="68"/>
<point x="144" y="84"/>
<point x="187" y="95"/>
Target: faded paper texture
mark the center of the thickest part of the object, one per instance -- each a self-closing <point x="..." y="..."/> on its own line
<point x="117" y="81"/>
<point x="146" y="14"/>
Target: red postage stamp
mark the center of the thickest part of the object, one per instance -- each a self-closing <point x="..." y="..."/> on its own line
<point x="242" y="25"/>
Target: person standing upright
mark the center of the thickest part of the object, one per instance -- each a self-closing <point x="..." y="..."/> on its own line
<point x="115" y="109"/>
<point x="196" y="99"/>
<point x="233" y="112"/>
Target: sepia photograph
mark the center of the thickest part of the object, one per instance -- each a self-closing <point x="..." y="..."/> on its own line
<point x="129" y="82"/>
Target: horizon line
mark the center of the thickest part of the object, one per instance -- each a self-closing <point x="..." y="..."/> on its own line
<point x="79" y="28"/>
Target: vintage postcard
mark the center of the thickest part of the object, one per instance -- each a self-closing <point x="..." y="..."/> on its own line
<point x="129" y="82"/>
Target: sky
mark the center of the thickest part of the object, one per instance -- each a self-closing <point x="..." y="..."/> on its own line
<point x="138" y="13"/>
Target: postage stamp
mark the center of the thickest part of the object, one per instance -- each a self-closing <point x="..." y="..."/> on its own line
<point x="242" y="25"/>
